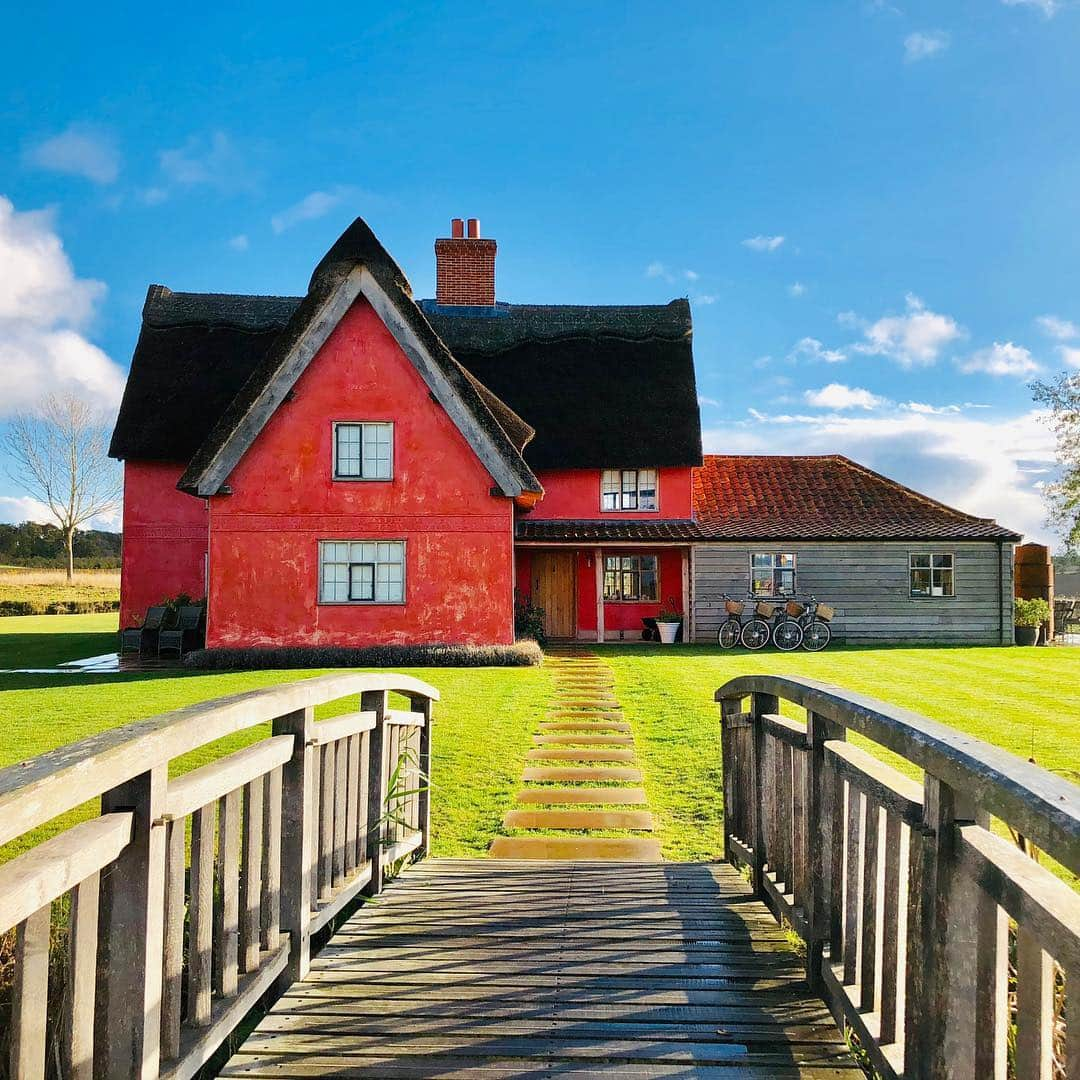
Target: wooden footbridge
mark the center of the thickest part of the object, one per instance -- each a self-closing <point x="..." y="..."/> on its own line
<point x="212" y="922"/>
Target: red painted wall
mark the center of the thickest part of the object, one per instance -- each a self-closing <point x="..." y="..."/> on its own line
<point x="575" y="493"/>
<point x="617" y="616"/>
<point x="264" y="537"/>
<point x="165" y="536"/>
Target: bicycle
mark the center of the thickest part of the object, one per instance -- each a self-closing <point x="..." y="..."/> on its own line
<point x="730" y="632"/>
<point x="787" y="633"/>
<point x="758" y="631"/>
<point x="816" y="633"/>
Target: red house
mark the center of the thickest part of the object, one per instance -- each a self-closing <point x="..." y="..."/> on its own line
<point x="353" y="466"/>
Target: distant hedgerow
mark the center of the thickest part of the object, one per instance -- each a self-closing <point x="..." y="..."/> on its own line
<point x="520" y="654"/>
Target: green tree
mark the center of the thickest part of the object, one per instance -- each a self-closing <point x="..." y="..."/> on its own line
<point x="1062" y="397"/>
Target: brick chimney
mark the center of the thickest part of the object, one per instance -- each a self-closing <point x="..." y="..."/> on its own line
<point x="465" y="266"/>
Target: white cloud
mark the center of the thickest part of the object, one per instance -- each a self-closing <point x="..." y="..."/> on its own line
<point x="930" y="410"/>
<point x="706" y="298"/>
<point x="44" y="308"/>
<point x="656" y="269"/>
<point x="239" y="242"/>
<point x="915" y="339"/>
<point x="18" y="508"/>
<point x="77" y="151"/>
<point x="702" y="400"/>
<point x="1049" y="8"/>
<point x="1070" y="355"/>
<point x="691" y="275"/>
<point x="839" y="396"/>
<point x="1059" y="329"/>
<point x="312" y="206"/>
<point x="213" y="161"/>
<point x="796" y="289"/>
<point x="1001" y="358"/>
<point x="924" y="44"/>
<point x="763" y="243"/>
<point x="809" y="348"/>
<point x="987" y="467"/>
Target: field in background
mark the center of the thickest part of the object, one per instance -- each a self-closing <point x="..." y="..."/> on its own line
<point x="29" y="591"/>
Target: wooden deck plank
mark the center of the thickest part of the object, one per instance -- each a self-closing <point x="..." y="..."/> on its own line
<point x="569" y="847"/>
<point x="468" y="968"/>
<point x="611" y="796"/>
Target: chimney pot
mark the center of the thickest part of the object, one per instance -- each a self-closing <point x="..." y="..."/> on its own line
<point x="474" y="228"/>
<point x="457" y="228"/>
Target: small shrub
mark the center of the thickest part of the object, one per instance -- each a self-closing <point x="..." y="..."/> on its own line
<point x="1033" y="612"/>
<point x="520" y="654"/>
<point x="529" y="620"/>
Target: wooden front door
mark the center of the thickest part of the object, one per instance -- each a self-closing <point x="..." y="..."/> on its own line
<point x="553" y="589"/>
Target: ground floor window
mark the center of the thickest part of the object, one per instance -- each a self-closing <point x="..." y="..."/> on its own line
<point x="932" y="575"/>
<point x="772" y="573"/>
<point x="362" y="571"/>
<point x="630" y="577"/>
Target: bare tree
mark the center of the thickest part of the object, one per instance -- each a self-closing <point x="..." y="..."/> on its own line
<point x="59" y="456"/>
<point x="1062" y="398"/>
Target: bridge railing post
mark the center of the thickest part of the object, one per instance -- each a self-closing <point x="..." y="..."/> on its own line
<point x="297" y="841"/>
<point x="760" y="705"/>
<point x="424" y="706"/>
<point x="822" y="818"/>
<point x="378" y="760"/>
<point x="131" y="933"/>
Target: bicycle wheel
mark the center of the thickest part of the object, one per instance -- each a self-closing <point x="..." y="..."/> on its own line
<point x="816" y="636"/>
<point x="727" y="637"/>
<point x="788" y="635"/>
<point x="755" y="634"/>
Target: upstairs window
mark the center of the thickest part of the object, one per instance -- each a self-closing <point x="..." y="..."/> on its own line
<point x="630" y="577"/>
<point x="628" y="489"/>
<point x="364" y="451"/>
<point x="932" y="575"/>
<point x="362" y="572"/>
<point x="772" y="573"/>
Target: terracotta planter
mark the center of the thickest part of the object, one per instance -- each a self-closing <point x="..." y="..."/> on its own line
<point x="668" y="631"/>
<point x="1026" y="635"/>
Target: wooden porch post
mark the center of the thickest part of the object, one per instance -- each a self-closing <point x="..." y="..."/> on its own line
<point x="687" y="621"/>
<point x="598" y="558"/>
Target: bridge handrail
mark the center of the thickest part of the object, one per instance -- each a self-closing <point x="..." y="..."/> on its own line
<point x="902" y="891"/>
<point x="284" y="833"/>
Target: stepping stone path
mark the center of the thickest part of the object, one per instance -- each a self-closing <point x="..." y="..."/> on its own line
<point x="584" y="742"/>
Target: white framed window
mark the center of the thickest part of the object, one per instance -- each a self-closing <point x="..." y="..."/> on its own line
<point x="364" y="451"/>
<point x="932" y="575"/>
<point x="628" y="489"/>
<point x="361" y="571"/>
<point x="630" y="577"/>
<point x="772" y="573"/>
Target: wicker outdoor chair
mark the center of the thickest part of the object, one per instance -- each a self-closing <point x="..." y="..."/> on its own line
<point x="187" y="627"/>
<point x="132" y="638"/>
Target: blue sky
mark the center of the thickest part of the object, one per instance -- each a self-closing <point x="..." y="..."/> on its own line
<point x="872" y="206"/>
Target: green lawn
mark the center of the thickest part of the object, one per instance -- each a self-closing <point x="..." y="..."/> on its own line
<point x="1026" y="700"/>
<point x="483" y="723"/>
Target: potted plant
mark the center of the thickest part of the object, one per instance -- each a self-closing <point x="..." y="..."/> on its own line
<point x="1028" y="616"/>
<point x="668" y="622"/>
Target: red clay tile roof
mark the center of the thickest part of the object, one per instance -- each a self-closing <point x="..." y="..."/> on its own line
<point x="593" y="531"/>
<point x="744" y="497"/>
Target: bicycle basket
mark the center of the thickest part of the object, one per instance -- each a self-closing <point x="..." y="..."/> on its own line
<point x="766" y="611"/>
<point x="734" y="607"/>
<point x="825" y="613"/>
<point x="794" y="608"/>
